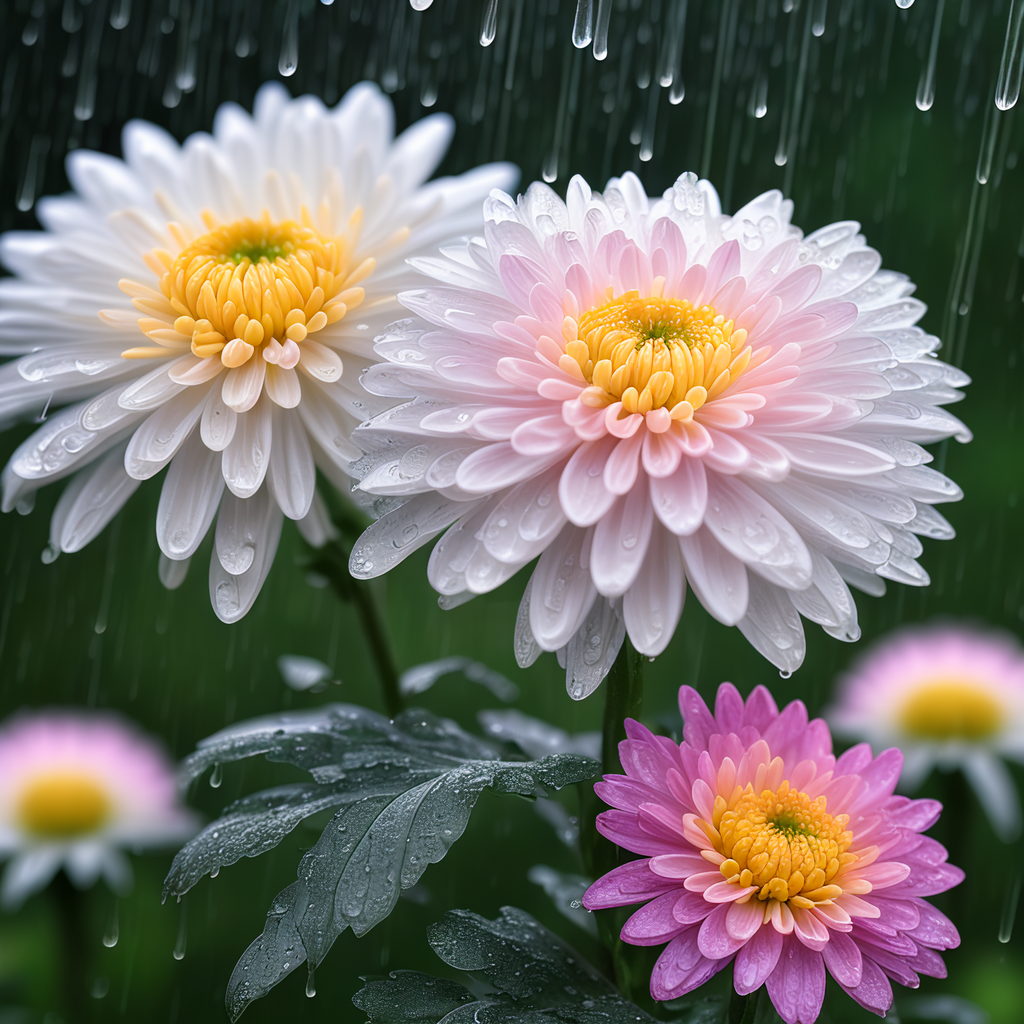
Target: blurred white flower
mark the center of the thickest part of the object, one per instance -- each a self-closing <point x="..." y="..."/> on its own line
<point x="76" y="790"/>
<point x="196" y="305"/>
<point x="949" y="697"/>
<point x="646" y="393"/>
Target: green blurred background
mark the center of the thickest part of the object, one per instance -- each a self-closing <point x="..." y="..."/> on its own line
<point x="841" y="134"/>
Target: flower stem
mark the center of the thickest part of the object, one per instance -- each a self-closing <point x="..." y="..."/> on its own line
<point x="624" y="691"/>
<point x="743" y="1009"/>
<point x="74" y="948"/>
<point x="331" y="562"/>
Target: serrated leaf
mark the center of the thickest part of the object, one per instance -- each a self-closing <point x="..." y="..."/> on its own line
<point x="538" y="978"/>
<point x="404" y="792"/>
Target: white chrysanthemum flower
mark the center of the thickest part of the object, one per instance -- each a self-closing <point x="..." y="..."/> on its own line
<point x="950" y="698"/>
<point x="198" y="303"/>
<point x="75" y="790"/>
<point x="644" y="393"/>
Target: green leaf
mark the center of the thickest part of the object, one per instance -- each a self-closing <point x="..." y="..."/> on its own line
<point x="537" y="978"/>
<point x="404" y="792"/>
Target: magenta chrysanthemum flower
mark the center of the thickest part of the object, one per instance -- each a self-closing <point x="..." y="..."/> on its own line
<point x="75" y="789"/>
<point x="646" y="393"/>
<point x="762" y="850"/>
<point x="949" y="697"/>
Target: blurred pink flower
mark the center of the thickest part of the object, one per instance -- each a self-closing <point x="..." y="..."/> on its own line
<point x="949" y="697"/>
<point x="761" y="849"/>
<point x="76" y="788"/>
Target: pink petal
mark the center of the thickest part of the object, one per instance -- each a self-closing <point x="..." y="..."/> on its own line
<point x="628" y="883"/>
<point x="652" y="924"/>
<point x="797" y="985"/>
<point x="581" y="489"/>
<point x="756" y="960"/>
<point x="679" y="500"/>
<point x="843" y="960"/>
<point x="726" y="892"/>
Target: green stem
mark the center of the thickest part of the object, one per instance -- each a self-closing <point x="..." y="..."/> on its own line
<point x="331" y="562"/>
<point x="74" y="947"/>
<point x="623" y="697"/>
<point x="743" y="1009"/>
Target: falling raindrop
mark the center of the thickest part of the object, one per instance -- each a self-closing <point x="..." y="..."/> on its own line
<point x="121" y="14"/>
<point x="113" y="930"/>
<point x="904" y="4"/>
<point x="310" y="984"/>
<point x="288" y="62"/>
<point x="818" y="22"/>
<point x="179" y="944"/>
<point x="926" y="85"/>
<point x="217" y="776"/>
<point x="1012" y="63"/>
<point x="489" y="28"/>
<point x="1009" y="910"/>
<point x="604" y="15"/>
<point x="583" y="26"/>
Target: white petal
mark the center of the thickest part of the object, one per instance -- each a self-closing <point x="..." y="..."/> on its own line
<point x="590" y="654"/>
<point x="246" y="459"/>
<point x="292" y="473"/>
<point x="526" y="648"/>
<point x="163" y="432"/>
<point x="91" y="500"/>
<point x="996" y="792"/>
<point x="653" y="604"/>
<point x="526" y="520"/>
<point x="773" y="626"/>
<point x="752" y="530"/>
<point x="240" y="527"/>
<point x="232" y="596"/>
<point x="152" y="390"/>
<point x="219" y="422"/>
<point x="188" y="499"/>
<point x="718" y="579"/>
<point x="620" y="541"/>
<point x="562" y="590"/>
<point x="319" y="361"/>
<point x="244" y="384"/>
<point x="396" y="535"/>
<point x="828" y="601"/>
<point x="27" y="873"/>
<point x="680" y="499"/>
<point x="283" y="387"/>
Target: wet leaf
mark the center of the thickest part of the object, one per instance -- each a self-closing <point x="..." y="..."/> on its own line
<point x="538" y="979"/>
<point x="404" y="792"/>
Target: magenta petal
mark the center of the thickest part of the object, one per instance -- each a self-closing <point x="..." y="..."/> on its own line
<point x="681" y="968"/>
<point x="843" y="960"/>
<point x="653" y="924"/>
<point x="691" y="908"/>
<point x="713" y="940"/>
<point x="918" y="815"/>
<point x="934" y="929"/>
<point x="797" y="985"/>
<point x="628" y="883"/>
<point x="761" y="709"/>
<point x="698" y="723"/>
<point x="620" y="827"/>
<point x="874" y="992"/>
<point x="729" y="709"/>
<point x="756" y="960"/>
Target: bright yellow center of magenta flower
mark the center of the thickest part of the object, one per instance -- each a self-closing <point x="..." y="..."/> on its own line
<point x="246" y="285"/>
<point x="652" y="353"/>
<point x="783" y="842"/>
<point x="62" y="805"/>
<point x="951" y="709"/>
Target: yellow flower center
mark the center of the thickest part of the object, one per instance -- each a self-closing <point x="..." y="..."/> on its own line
<point x="248" y="284"/>
<point x="782" y="841"/>
<point x="950" y="709"/>
<point x="62" y="804"/>
<point x="652" y="352"/>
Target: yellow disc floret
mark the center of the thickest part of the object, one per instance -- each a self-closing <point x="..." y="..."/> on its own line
<point x="653" y="352"/>
<point x="248" y="285"/>
<point x="62" y="805"/>
<point x="783" y="842"/>
<point x="951" y="709"/>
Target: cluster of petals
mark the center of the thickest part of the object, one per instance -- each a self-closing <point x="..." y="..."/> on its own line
<point x="53" y="762"/>
<point x="768" y="470"/>
<point x="951" y="697"/>
<point x="208" y="307"/>
<point x="868" y="925"/>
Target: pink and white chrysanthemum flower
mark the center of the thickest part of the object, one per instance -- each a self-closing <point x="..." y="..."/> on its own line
<point x="761" y="849"/>
<point x="194" y="307"/>
<point x="646" y="393"/>
<point x="77" y="789"/>
<point x="950" y="697"/>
